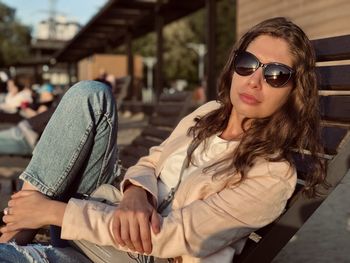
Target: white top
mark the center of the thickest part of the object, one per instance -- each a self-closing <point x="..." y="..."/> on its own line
<point x="170" y="174"/>
<point x="12" y="102"/>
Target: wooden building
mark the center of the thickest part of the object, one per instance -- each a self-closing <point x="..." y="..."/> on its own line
<point x="318" y="18"/>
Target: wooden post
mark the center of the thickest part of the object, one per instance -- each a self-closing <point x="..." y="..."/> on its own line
<point x="69" y="66"/>
<point x="128" y="44"/>
<point x="210" y="60"/>
<point x="76" y="69"/>
<point x="159" y="23"/>
<point x="37" y="78"/>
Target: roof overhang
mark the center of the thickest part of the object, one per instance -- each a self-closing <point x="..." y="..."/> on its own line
<point x="108" y="28"/>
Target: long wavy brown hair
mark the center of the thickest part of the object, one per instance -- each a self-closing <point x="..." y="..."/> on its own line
<point x="295" y="126"/>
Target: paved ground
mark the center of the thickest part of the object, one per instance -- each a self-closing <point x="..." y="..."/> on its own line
<point x="325" y="238"/>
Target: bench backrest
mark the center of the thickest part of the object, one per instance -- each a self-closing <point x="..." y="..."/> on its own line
<point x="170" y="109"/>
<point x="120" y="89"/>
<point x="334" y="90"/>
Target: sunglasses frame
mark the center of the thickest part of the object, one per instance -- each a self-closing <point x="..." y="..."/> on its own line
<point x="263" y="66"/>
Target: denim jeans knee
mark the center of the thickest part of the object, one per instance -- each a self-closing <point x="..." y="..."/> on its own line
<point x="77" y="151"/>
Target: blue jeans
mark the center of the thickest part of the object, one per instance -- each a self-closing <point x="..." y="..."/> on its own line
<point x="11" y="253"/>
<point x="77" y="152"/>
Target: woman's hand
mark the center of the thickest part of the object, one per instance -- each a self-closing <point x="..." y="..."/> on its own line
<point x="133" y="220"/>
<point x="29" y="209"/>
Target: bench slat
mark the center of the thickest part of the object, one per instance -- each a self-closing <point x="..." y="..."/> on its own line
<point x="332" y="48"/>
<point x="168" y="109"/>
<point x="156" y="132"/>
<point x="175" y="97"/>
<point x="14" y="161"/>
<point x="336" y="108"/>
<point x="129" y="160"/>
<point x="135" y="151"/>
<point x="162" y="121"/>
<point x="145" y="142"/>
<point x="334" y="77"/>
<point x="332" y="137"/>
<point x="167" y="113"/>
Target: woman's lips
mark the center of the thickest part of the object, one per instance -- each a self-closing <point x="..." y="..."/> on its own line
<point x="248" y="99"/>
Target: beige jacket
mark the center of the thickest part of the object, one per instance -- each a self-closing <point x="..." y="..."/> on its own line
<point x="209" y="222"/>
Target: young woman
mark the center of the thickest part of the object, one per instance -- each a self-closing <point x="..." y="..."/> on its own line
<point x="229" y="162"/>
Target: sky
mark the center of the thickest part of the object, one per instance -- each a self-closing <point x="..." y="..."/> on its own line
<point x="31" y="12"/>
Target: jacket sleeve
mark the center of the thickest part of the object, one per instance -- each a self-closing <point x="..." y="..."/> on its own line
<point x="202" y="227"/>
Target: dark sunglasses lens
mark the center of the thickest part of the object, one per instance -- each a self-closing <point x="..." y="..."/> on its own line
<point x="245" y="64"/>
<point x="277" y="75"/>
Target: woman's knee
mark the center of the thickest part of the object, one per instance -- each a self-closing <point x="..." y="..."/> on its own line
<point x="89" y="88"/>
<point x="91" y="92"/>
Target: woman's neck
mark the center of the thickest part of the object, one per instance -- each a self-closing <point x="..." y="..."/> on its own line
<point x="233" y="130"/>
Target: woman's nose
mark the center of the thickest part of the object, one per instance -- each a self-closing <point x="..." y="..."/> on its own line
<point x="256" y="79"/>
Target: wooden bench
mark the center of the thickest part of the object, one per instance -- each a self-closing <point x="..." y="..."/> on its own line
<point x="334" y="88"/>
<point x="170" y="109"/>
<point x="120" y="89"/>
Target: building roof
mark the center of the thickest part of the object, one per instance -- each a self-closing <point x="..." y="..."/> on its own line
<point x="109" y="26"/>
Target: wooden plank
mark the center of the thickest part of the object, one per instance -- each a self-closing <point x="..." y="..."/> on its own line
<point x="163" y="121"/>
<point x="174" y="97"/>
<point x="146" y="142"/>
<point x="336" y="108"/>
<point x="169" y="109"/>
<point x="156" y="132"/>
<point x="135" y="151"/>
<point x="14" y="161"/>
<point x="332" y="137"/>
<point x="128" y="161"/>
<point x="332" y="48"/>
<point x="334" y="77"/>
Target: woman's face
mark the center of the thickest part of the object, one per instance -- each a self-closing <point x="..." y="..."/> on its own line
<point x="251" y="96"/>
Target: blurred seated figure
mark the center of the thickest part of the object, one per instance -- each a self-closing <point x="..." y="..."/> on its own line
<point x="39" y="101"/>
<point x="43" y="99"/>
<point x="18" y="93"/>
<point x="45" y="93"/>
<point x="3" y="89"/>
<point x="22" y="138"/>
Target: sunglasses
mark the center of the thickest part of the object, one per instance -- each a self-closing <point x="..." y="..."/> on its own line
<point x="275" y="74"/>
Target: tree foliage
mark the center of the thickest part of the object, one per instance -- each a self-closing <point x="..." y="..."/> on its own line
<point x="14" y="37"/>
<point x="181" y="62"/>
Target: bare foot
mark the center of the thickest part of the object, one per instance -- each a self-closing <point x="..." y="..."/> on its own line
<point x="22" y="237"/>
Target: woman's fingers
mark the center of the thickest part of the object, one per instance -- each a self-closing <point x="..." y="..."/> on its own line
<point x="155" y="222"/>
<point x="125" y="233"/>
<point x="23" y="193"/>
<point x="132" y="229"/>
<point x="134" y="232"/>
<point x="145" y="235"/>
<point x="116" y="230"/>
<point x="10" y="227"/>
<point x="27" y="209"/>
<point x="9" y="218"/>
<point x="132" y="218"/>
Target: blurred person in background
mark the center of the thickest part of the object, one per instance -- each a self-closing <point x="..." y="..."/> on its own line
<point x="17" y="94"/>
